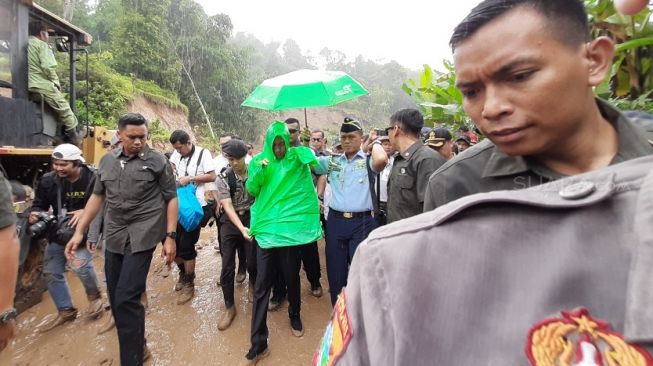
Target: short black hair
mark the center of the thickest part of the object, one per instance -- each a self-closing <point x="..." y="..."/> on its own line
<point x="134" y="119"/>
<point x="411" y="119"/>
<point x="317" y="130"/>
<point x="291" y="120"/>
<point x="180" y="136"/>
<point x="36" y="27"/>
<point x="568" y="19"/>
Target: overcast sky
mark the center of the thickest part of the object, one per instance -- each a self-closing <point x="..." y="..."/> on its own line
<point x="411" y="32"/>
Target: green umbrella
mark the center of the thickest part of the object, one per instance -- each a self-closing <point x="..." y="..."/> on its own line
<point x="304" y="89"/>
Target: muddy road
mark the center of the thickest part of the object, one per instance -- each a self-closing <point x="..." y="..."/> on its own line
<point x="176" y="334"/>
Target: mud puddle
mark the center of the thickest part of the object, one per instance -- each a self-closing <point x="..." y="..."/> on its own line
<point x="176" y="334"/>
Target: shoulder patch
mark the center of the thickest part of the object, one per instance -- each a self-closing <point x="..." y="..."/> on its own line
<point x="336" y="337"/>
<point x="578" y="339"/>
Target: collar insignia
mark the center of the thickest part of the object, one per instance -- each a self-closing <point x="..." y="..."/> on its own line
<point x="577" y="339"/>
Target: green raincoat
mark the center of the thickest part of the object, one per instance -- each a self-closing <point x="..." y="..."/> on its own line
<point x="286" y="210"/>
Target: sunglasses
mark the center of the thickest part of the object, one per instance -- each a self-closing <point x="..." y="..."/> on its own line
<point x="388" y="129"/>
<point x="292" y="130"/>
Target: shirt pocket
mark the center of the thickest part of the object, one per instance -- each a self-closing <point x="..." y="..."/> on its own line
<point x="144" y="179"/>
<point x="405" y="181"/>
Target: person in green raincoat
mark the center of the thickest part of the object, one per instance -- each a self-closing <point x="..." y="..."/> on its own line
<point x="285" y="216"/>
<point x="43" y="80"/>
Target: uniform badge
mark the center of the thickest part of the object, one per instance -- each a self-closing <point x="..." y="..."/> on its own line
<point x="577" y="339"/>
<point x="402" y="170"/>
<point x="336" y="337"/>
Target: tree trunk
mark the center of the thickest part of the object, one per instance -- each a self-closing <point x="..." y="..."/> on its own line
<point x="68" y="7"/>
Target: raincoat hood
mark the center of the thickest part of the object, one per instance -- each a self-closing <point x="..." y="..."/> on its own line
<point x="276" y="129"/>
<point x="286" y="210"/>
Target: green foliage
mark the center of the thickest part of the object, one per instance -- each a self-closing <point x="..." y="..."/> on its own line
<point x="157" y="132"/>
<point x="631" y="74"/>
<point x="156" y="94"/>
<point x="438" y="98"/>
<point x="141" y="46"/>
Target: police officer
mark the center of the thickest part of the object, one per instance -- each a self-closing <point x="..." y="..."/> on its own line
<point x="234" y="226"/>
<point x="532" y="97"/>
<point x="572" y="282"/>
<point x="139" y="187"/>
<point x="350" y="217"/>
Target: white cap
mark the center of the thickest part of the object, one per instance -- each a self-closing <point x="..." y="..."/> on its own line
<point x="68" y="152"/>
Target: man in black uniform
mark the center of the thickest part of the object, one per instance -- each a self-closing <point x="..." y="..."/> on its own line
<point x="139" y="187"/>
<point x="412" y="166"/>
<point x="532" y="97"/>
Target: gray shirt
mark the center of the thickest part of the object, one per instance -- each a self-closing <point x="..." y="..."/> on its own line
<point x="484" y="168"/>
<point x="408" y="180"/>
<point x="136" y="190"/>
<point x="484" y="279"/>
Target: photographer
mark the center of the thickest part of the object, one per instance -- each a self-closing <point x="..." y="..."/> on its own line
<point x="66" y="189"/>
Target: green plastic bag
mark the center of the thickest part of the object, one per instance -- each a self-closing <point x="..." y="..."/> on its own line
<point x="286" y="210"/>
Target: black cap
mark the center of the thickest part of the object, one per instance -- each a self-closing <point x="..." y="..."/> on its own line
<point x="350" y="125"/>
<point x="235" y="149"/>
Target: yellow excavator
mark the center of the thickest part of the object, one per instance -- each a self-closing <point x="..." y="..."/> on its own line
<point x="28" y="127"/>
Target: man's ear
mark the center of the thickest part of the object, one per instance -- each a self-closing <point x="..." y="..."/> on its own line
<point x="599" y="54"/>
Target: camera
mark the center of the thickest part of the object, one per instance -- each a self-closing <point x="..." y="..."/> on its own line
<point x="380" y="132"/>
<point x="42" y="228"/>
<point x="56" y="231"/>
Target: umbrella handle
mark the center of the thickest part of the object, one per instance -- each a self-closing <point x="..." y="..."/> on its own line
<point x="305" y="118"/>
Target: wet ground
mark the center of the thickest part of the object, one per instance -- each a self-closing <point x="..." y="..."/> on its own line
<point x="176" y="334"/>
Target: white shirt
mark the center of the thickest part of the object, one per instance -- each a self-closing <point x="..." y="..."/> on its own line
<point x="384" y="175"/>
<point x="186" y="166"/>
<point x="219" y="163"/>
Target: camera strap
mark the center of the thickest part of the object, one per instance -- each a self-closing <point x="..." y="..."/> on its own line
<point x="62" y="210"/>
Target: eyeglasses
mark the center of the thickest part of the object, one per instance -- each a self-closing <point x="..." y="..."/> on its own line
<point x="292" y="130"/>
<point x="316" y="139"/>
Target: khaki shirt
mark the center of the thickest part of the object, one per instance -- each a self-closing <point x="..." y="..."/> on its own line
<point x="136" y="190"/>
<point x="408" y="180"/>
<point x="484" y="168"/>
<point x="42" y="66"/>
<point x="242" y="200"/>
<point x="484" y="280"/>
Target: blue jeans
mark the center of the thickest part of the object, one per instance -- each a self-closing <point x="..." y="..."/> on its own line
<point x="54" y="267"/>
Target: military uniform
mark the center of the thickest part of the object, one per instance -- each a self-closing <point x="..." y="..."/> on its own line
<point x="42" y="79"/>
<point x="230" y="236"/>
<point x="484" y="168"/>
<point x="573" y="283"/>
<point x="408" y="180"/>
<point x="136" y="190"/>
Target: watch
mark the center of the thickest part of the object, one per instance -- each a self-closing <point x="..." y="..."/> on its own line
<point x="8" y="316"/>
<point x="172" y="235"/>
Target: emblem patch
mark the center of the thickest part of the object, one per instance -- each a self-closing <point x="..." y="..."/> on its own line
<point x="336" y="337"/>
<point x="577" y="339"/>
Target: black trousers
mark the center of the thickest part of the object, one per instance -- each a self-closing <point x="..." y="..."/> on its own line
<point x="126" y="277"/>
<point x="310" y="258"/>
<point x="242" y="256"/>
<point x="231" y="240"/>
<point x="270" y="262"/>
